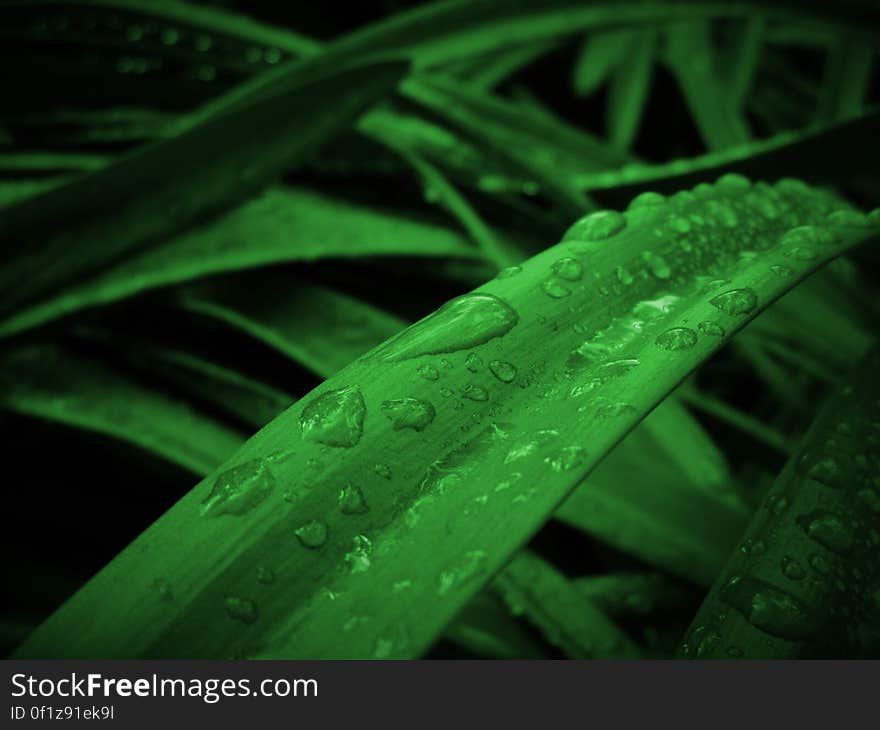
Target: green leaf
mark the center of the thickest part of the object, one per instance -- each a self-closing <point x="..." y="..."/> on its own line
<point x="600" y="55"/>
<point x="532" y="587"/>
<point x="282" y="225"/>
<point x="56" y="384"/>
<point x="317" y="327"/>
<point x="803" y="585"/>
<point x="372" y="566"/>
<point x="630" y="86"/>
<point x="216" y="159"/>
<point x="664" y="495"/>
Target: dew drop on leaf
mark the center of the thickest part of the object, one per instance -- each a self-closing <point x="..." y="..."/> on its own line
<point x="240" y="489"/>
<point x="657" y="265"/>
<point x="413" y="413"/>
<point x="597" y="226"/>
<point x="566" y="459"/>
<point x="474" y="362"/>
<point x="792" y="569"/>
<point x="462" y="323"/>
<point x="647" y="199"/>
<point x="312" y="534"/>
<point x="568" y="268"/>
<point x="429" y="372"/>
<point x="736" y="301"/>
<point x="383" y="470"/>
<point x="829" y="530"/>
<point x="508" y="271"/>
<point x="849" y="218"/>
<point x="503" y="370"/>
<point x="358" y="557"/>
<point x="335" y="418"/>
<point x="475" y="392"/>
<point x="241" y="609"/>
<point x="352" y="501"/>
<point x="623" y="276"/>
<point x="677" y="338"/>
<point x="555" y="289"/>
<point x="711" y="328"/>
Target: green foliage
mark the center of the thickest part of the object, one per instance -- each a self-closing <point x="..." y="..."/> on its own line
<point x="573" y="442"/>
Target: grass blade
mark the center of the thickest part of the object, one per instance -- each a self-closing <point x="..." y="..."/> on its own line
<point x="804" y="584"/>
<point x="338" y="518"/>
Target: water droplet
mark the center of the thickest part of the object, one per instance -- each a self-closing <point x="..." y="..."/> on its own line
<point x="566" y="459"/>
<point x="241" y="609"/>
<point x="733" y="182"/>
<point x="170" y="36"/>
<point x="555" y="288"/>
<point x="711" y="328"/>
<point x="335" y="418"/>
<point x="460" y="324"/>
<point x="647" y="199"/>
<point x="411" y="413"/>
<point x="569" y="269"/>
<point x="736" y="301"/>
<point x="163" y="589"/>
<point x="770" y="609"/>
<point x="312" y="534"/>
<point x="429" y="372"/>
<point x="383" y="470"/>
<point x="352" y="501"/>
<point x="508" y="271"/>
<point x="849" y="218"/>
<point x="828" y="530"/>
<point x="240" y="489"/>
<point x="802" y="253"/>
<point x="475" y="392"/>
<point x="503" y="370"/>
<point x="677" y="338"/>
<point x="615" y="410"/>
<point x="529" y="444"/>
<point x="871" y="499"/>
<point x="792" y="569"/>
<point x="597" y="226"/>
<point x="657" y="265"/>
<point x="820" y="564"/>
<point x="359" y="555"/>
<point x="474" y="362"/>
<point x="701" y="641"/>
<point x="754" y="547"/>
<point x="807" y="237"/>
<point x="779" y="270"/>
<point x="679" y="224"/>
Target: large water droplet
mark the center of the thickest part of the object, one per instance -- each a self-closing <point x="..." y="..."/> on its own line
<point x="312" y="534"/>
<point x="849" y="218"/>
<point x="335" y="418"/>
<point x="507" y="272"/>
<point x="677" y="338"/>
<point x="503" y="370"/>
<point x="240" y="489"/>
<point x="736" y="301"/>
<point x="473" y="362"/>
<point x="568" y="268"/>
<point x="597" y="226"/>
<point x="792" y="569"/>
<point x="411" y="413"/>
<point x="460" y="324"/>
